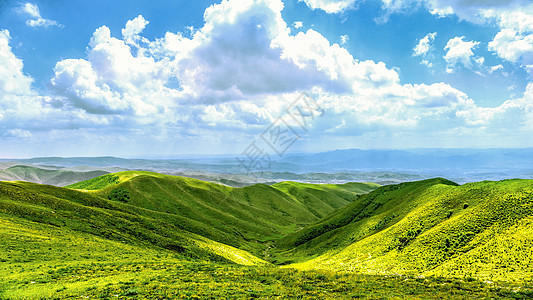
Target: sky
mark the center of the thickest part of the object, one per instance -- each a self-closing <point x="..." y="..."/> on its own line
<point x="136" y="78"/>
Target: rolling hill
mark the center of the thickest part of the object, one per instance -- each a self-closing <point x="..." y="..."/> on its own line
<point x="145" y="208"/>
<point x="56" y="177"/>
<point x="432" y="227"/>
<point x="148" y="235"/>
<point x="235" y="216"/>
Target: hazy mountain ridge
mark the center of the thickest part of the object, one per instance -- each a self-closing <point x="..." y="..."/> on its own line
<point x="57" y="177"/>
<point x="381" y="166"/>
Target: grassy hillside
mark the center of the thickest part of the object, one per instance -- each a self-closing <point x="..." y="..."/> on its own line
<point x="431" y="227"/>
<point x="45" y="176"/>
<point x="82" y="213"/>
<point x="235" y="216"/>
<point x="140" y="234"/>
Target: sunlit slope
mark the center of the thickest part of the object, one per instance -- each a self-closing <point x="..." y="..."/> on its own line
<point x="235" y="216"/>
<point x="81" y="216"/>
<point x="430" y="227"/>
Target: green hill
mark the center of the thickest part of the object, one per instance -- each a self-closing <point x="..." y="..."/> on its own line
<point x="84" y="213"/>
<point x="139" y="234"/>
<point x="235" y="216"/>
<point x="432" y="227"/>
<point x="45" y="176"/>
<point x="169" y="212"/>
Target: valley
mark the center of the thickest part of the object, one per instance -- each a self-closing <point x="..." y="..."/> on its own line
<point x="149" y="235"/>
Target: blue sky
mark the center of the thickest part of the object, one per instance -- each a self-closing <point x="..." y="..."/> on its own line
<point x="133" y="78"/>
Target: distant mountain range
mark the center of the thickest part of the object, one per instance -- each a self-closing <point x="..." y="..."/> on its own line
<point x="57" y="177"/>
<point x="381" y="166"/>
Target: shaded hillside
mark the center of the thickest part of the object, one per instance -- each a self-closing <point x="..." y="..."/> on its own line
<point x="235" y="216"/>
<point x="430" y="227"/>
<point x="45" y="176"/>
<point x="83" y="217"/>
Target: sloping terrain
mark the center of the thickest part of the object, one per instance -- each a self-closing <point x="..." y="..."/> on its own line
<point x="145" y="234"/>
<point x="45" y="176"/>
<point x="235" y="216"/>
<point x="81" y="215"/>
<point x="169" y="212"/>
<point x="431" y="227"/>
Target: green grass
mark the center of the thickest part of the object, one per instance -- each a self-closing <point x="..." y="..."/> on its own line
<point x="235" y="216"/>
<point x="433" y="227"/>
<point x="145" y="235"/>
<point x="173" y="279"/>
<point x="97" y="183"/>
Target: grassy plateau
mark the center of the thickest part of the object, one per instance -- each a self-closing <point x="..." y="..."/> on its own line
<point x="144" y="235"/>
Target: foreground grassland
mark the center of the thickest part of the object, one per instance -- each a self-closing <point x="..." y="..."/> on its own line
<point x="150" y="236"/>
<point x="174" y="279"/>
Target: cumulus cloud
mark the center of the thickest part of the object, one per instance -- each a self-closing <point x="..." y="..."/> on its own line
<point x="32" y="11"/>
<point x="513" y="47"/>
<point x="12" y="79"/>
<point x="240" y="51"/>
<point x="424" y="45"/>
<point x="21" y="107"/>
<point x="17" y="99"/>
<point x="460" y="51"/>
<point x="112" y="80"/>
<point x="330" y="6"/>
<point x="243" y="65"/>
<point x="298" y="24"/>
<point x="237" y="73"/>
<point x="519" y="20"/>
<point x="514" y="42"/>
<point x="133" y="28"/>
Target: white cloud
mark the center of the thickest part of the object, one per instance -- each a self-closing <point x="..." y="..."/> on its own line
<point x="330" y="6"/>
<point x="245" y="52"/>
<point x="114" y="81"/>
<point x="18" y="102"/>
<point x="22" y="108"/>
<point x="12" y="79"/>
<point x="514" y="42"/>
<point x="298" y="24"/>
<point x="424" y="45"/>
<point x="513" y="114"/>
<point x="459" y="51"/>
<point x="426" y="63"/>
<point x="423" y="48"/>
<point x="473" y="10"/>
<point x="131" y="31"/>
<point x="495" y="68"/>
<point x="32" y="10"/>
<point x="237" y="73"/>
<point x="344" y="39"/>
<point x="270" y="60"/>
<point x="519" y="20"/>
<point x="513" y="47"/>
